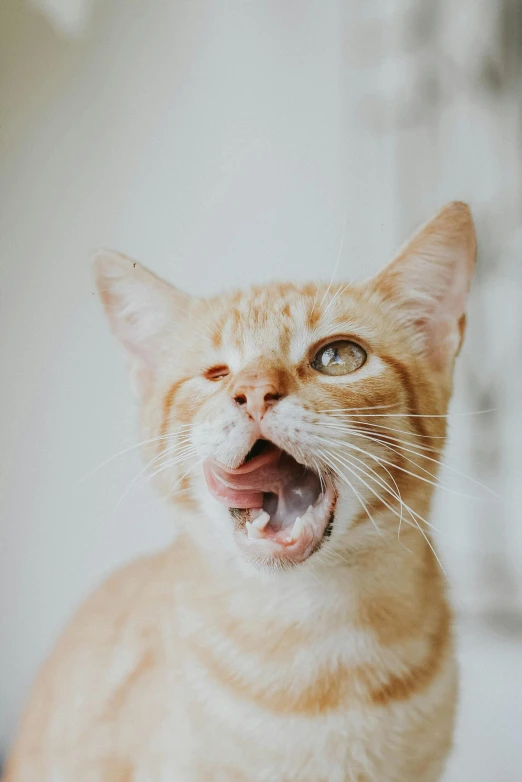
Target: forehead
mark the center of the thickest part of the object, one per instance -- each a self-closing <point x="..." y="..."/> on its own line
<point x="285" y="319"/>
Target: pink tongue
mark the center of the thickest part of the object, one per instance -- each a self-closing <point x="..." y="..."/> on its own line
<point x="273" y="479"/>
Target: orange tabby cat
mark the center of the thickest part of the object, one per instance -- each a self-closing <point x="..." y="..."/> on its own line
<point x="298" y="630"/>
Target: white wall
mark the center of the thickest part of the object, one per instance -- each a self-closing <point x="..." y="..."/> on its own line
<point x="220" y="143"/>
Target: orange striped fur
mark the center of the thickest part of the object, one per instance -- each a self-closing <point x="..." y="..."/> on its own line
<point x="202" y="663"/>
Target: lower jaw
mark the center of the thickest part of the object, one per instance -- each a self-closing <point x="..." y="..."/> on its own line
<point x="281" y="549"/>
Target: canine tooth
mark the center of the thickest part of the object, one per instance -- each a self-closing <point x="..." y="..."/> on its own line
<point x="297" y="529"/>
<point x="253" y="532"/>
<point x="261" y="521"/>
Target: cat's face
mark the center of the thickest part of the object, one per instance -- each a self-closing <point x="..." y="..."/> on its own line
<point x="288" y="414"/>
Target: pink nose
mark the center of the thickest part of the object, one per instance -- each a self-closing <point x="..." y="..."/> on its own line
<point x="257" y="393"/>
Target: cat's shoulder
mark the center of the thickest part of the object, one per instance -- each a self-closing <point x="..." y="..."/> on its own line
<point x="126" y="606"/>
<point x="116" y="637"/>
<point x="118" y="602"/>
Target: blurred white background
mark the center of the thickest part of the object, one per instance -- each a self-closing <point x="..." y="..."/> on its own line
<point x="223" y="143"/>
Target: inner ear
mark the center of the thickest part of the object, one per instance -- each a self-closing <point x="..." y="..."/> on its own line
<point x="145" y="312"/>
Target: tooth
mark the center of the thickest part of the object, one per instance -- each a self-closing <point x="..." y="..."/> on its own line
<point x="261" y="521"/>
<point x="297" y="529"/>
<point x="253" y="532"/>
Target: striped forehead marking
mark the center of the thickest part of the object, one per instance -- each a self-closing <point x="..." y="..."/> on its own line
<point x="283" y="321"/>
<point x="262" y="324"/>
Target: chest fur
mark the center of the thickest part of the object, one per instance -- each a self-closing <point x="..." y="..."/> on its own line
<point x="312" y="700"/>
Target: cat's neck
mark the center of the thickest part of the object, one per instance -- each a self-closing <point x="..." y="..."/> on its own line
<point x="323" y="586"/>
<point x="259" y="634"/>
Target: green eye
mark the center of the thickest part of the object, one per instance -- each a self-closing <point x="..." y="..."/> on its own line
<point x="339" y="358"/>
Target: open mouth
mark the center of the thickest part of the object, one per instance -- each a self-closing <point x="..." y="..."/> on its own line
<point x="281" y="506"/>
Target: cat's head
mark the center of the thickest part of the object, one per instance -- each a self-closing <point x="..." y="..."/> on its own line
<point x="289" y="415"/>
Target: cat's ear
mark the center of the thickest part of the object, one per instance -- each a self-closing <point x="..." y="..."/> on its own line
<point x="428" y="282"/>
<point x="145" y="312"/>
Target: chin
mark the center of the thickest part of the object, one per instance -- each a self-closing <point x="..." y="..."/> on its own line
<point x="281" y="511"/>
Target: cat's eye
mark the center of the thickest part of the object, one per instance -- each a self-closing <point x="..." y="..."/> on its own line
<point x="339" y="358"/>
<point x="217" y="373"/>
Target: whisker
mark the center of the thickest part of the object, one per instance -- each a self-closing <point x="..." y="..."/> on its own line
<point x="381" y="460"/>
<point x="344" y="428"/>
<point x="401" y="503"/>
<point x="425" y="415"/>
<point x="343" y="444"/>
<point x="325" y="456"/>
<point x="171" y="463"/>
<point x="401" y="431"/>
<point x="185" y="475"/>
<point x="352" y="409"/>
<point x="439" y="462"/>
<point x="336" y="295"/>
<point x="353" y="279"/>
<point x="315" y="298"/>
<point x="393" y="510"/>
<point x="180" y="491"/>
<point x="401" y="507"/>
<point x="161" y="437"/>
<point x="338" y="445"/>
<point x="135" y="483"/>
<point x="385" y="486"/>
<point x="169" y="456"/>
<point x="375" y="473"/>
<point x="414" y="450"/>
<point x="386" y="444"/>
<point x="339" y="253"/>
<point x="168" y="464"/>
